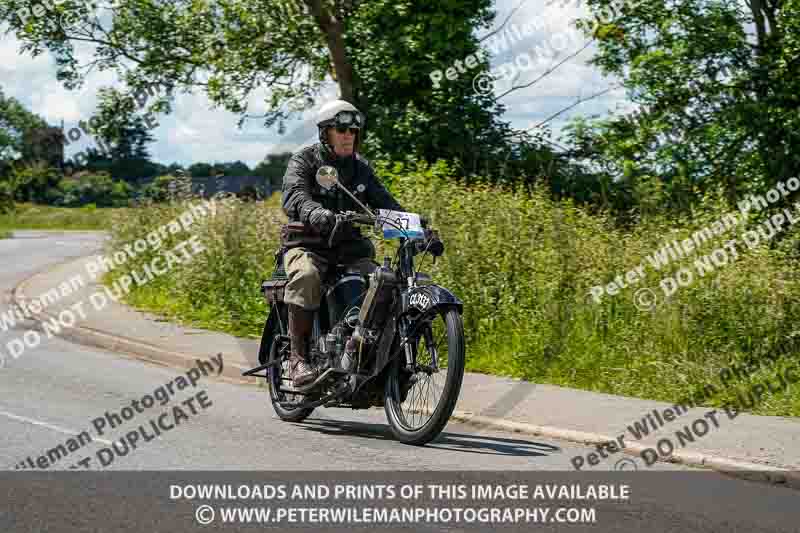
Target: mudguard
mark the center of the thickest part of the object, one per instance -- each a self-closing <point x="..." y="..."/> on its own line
<point x="426" y="298"/>
<point x="271" y="327"/>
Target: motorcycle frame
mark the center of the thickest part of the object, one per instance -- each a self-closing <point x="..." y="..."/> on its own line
<point x="398" y="335"/>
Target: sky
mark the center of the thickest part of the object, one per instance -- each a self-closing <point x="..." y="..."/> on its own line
<point x="536" y="38"/>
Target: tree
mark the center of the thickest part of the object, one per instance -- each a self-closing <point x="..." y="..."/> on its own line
<point x="717" y="104"/>
<point x="44" y="144"/>
<point x="174" y="167"/>
<point x="379" y="53"/>
<point x="31" y="154"/>
<point x="121" y="137"/>
<point x="34" y="182"/>
<point x="272" y="169"/>
<point x="119" y="127"/>
<point x="236" y="168"/>
<point x="200" y="170"/>
<point x="21" y="132"/>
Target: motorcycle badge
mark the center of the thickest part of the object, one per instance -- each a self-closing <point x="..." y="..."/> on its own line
<point x="420" y="300"/>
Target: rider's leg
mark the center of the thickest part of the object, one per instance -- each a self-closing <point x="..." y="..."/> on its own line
<point x="300" y="322"/>
<point x="302" y="296"/>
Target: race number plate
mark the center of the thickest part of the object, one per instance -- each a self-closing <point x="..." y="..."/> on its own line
<point x="391" y="222"/>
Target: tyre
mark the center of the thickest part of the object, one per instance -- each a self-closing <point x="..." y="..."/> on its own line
<point x="274" y="378"/>
<point x="439" y="374"/>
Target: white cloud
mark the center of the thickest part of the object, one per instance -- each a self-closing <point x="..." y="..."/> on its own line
<point x="573" y="80"/>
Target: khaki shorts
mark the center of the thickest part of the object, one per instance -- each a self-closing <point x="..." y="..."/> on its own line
<point x="305" y="270"/>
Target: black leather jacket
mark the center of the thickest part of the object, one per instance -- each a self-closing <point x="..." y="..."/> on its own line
<point x="302" y="194"/>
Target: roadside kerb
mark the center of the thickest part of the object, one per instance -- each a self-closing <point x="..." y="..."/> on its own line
<point x="115" y="343"/>
<point x="232" y="373"/>
<point x="740" y="469"/>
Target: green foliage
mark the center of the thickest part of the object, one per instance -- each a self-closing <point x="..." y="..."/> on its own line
<point x="120" y="127"/>
<point x="717" y="92"/>
<point x="409" y="117"/>
<point x="16" y="125"/>
<point x="273" y="168"/>
<point x="235" y="168"/>
<point x="95" y="189"/>
<point x="34" y="183"/>
<point x="133" y="171"/>
<point x="220" y="287"/>
<point x="6" y="197"/>
<point x="200" y="170"/>
<point x="33" y="216"/>
<point x="380" y="53"/>
<point x="166" y="188"/>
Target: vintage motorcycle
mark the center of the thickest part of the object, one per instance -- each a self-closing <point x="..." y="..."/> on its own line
<point x="394" y="340"/>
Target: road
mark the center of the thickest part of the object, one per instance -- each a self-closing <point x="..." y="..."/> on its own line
<point x="56" y="391"/>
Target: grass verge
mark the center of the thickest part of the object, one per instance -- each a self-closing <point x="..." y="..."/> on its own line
<point x="45" y="217"/>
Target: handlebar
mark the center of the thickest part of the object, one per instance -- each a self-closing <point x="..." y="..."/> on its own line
<point x="349" y="216"/>
<point x="431" y="243"/>
<point x="358" y="218"/>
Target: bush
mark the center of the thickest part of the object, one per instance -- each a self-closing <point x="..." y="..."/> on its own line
<point x="32" y="182"/>
<point x="37" y="216"/>
<point x="6" y="197"/>
<point x="524" y="266"/>
<point x="219" y="288"/>
<point x="168" y="188"/>
<point x="98" y="189"/>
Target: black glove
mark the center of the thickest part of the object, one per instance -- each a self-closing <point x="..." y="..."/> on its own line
<point x="322" y="219"/>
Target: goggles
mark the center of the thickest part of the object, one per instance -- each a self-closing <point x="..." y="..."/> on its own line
<point x="345" y="129"/>
<point x="346" y="120"/>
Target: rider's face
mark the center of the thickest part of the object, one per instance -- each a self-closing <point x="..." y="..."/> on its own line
<point x="342" y="143"/>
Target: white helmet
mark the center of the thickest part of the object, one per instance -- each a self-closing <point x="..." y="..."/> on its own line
<point x="339" y="113"/>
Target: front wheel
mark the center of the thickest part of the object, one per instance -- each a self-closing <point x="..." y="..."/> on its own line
<point x="419" y="404"/>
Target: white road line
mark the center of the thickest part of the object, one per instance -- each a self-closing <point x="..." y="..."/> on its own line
<point x="50" y="426"/>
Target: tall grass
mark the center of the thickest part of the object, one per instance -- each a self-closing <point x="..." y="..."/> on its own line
<point x="218" y="289"/>
<point x="523" y="265"/>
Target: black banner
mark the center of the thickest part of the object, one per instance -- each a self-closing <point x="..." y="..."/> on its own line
<point x="178" y="502"/>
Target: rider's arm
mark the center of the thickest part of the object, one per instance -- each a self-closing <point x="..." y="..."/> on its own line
<point x="377" y="195"/>
<point x="296" y="201"/>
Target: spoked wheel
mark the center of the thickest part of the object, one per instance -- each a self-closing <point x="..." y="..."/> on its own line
<point x="275" y="375"/>
<point x="418" y="405"/>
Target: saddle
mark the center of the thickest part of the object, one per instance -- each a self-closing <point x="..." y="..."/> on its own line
<point x="273" y="288"/>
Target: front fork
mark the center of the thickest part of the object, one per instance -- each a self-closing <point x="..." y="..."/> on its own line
<point x="428" y="334"/>
<point x="411" y="346"/>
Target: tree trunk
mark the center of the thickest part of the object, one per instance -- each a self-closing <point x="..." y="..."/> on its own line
<point x="758" y="18"/>
<point x="333" y="29"/>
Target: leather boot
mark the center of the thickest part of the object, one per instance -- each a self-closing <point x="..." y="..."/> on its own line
<point x="300" y="323"/>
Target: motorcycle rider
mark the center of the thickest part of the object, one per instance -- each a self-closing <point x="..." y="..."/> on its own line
<point x="311" y="209"/>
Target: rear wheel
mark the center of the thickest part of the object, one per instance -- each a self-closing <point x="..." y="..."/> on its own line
<point x="419" y="404"/>
<point x="275" y="377"/>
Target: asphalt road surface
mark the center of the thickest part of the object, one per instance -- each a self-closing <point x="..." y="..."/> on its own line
<point x="54" y="392"/>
